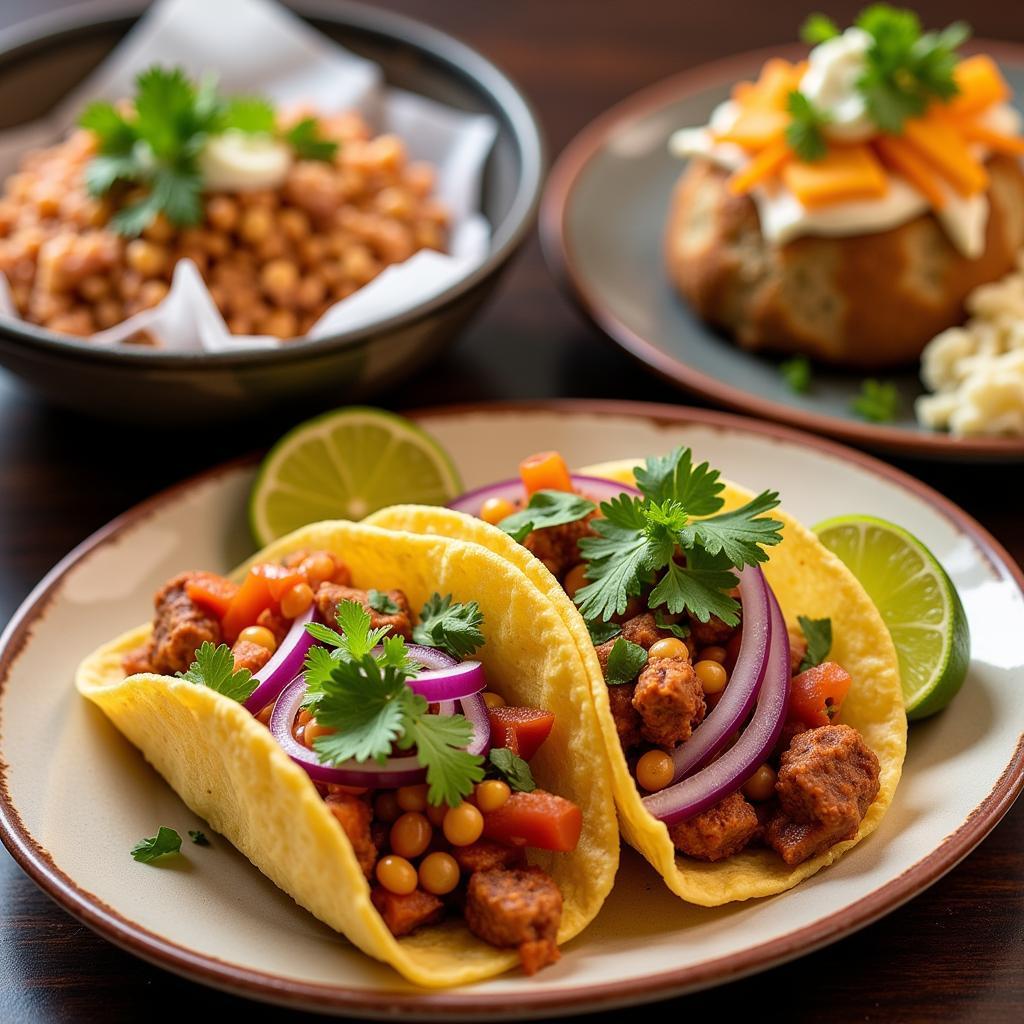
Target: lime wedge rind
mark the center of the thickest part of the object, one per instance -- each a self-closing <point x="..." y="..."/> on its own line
<point x="916" y="599"/>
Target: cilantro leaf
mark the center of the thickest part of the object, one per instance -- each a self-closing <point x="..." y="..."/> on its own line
<point x="701" y="588"/>
<point x="878" y="401"/>
<point x="380" y="602"/>
<point x="625" y="662"/>
<point x="215" y="667"/>
<point x="177" y="192"/>
<point x="512" y="768"/>
<point x="796" y="372"/>
<point x="818" y="633"/>
<point x="674" y="477"/>
<point x="305" y="138"/>
<point x="197" y="837"/>
<point x="805" y="132"/>
<point x="546" y="508"/>
<point x="132" y="220"/>
<point x="439" y="739"/>
<point x="454" y="628"/>
<point x="164" y="843"/>
<point x="114" y="134"/>
<point x="602" y="632"/>
<point x="317" y="667"/>
<point x="677" y="629"/>
<point x="818" y="28"/>
<point x="739" y="533"/>
<point x="356" y="639"/>
<point x="105" y="170"/>
<point x="250" y="114"/>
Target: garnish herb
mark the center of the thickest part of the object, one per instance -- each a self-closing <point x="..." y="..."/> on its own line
<point x="818" y="634"/>
<point x="367" y="699"/>
<point x="513" y="769"/>
<point x="156" y="145"/>
<point x="215" y="667"/>
<point x="642" y="538"/>
<point x="677" y="629"/>
<point x="602" y="632"/>
<point x="878" y="401"/>
<point x="164" y="843"/>
<point x="546" y="508"/>
<point x="625" y="662"/>
<point x="454" y="628"/>
<point x="805" y="132"/>
<point x="797" y="374"/>
<point x="380" y="602"/>
<point x="818" y="28"/>
<point x="197" y="837"/>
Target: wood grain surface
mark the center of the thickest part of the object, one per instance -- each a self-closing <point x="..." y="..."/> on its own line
<point x="954" y="953"/>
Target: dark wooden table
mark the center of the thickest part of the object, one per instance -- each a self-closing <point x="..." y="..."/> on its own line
<point x="954" y="953"/>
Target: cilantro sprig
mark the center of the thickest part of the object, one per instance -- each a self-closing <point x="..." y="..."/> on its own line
<point x="655" y="539"/>
<point x="625" y="662"/>
<point x="165" y="843"/>
<point x="215" y="667"/>
<point x="449" y="626"/>
<point x="805" y="132"/>
<point x="818" y="634"/>
<point x="156" y="144"/>
<point x="546" y="508"/>
<point x="365" y="697"/>
<point x="878" y="401"/>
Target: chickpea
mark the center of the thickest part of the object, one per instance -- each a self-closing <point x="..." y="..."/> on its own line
<point x="654" y="770"/>
<point x="282" y="323"/>
<point x="160" y="230"/>
<point x="394" y="202"/>
<point x="439" y="873"/>
<point x="463" y="824"/>
<point x="259" y="635"/>
<point x="493" y="700"/>
<point x="294" y="224"/>
<point x="146" y="258"/>
<point x="359" y="265"/>
<point x="222" y="213"/>
<point x="47" y="199"/>
<point x="492" y="794"/>
<point x="296" y="600"/>
<point x="412" y="798"/>
<point x="94" y="288"/>
<point x="314" y="731"/>
<point x="79" y="322"/>
<point x="713" y="654"/>
<point x="256" y="224"/>
<point x="493" y="510"/>
<point x="428" y="236"/>
<point x="279" y="279"/>
<point x="761" y="785"/>
<point x="239" y="324"/>
<point x="108" y="312"/>
<point x="385" y="806"/>
<point x="216" y="244"/>
<point x="670" y="647"/>
<point x="310" y="295"/>
<point x="712" y="676"/>
<point x="419" y="177"/>
<point x="153" y="292"/>
<point x="397" y="875"/>
<point x="317" y="568"/>
<point x="410" y="835"/>
<point x="436" y="813"/>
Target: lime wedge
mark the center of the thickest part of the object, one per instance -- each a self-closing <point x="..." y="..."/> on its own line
<point x="917" y="600"/>
<point x="344" y="465"/>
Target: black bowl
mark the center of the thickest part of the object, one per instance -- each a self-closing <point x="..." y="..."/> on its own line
<point x="42" y="60"/>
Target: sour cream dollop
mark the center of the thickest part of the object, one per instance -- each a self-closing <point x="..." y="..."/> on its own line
<point x="239" y="161"/>
<point x="830" y="83"/>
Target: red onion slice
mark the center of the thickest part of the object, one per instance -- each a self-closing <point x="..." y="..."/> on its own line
<point x="474" y="708"/>
<point x="284" y="665"/>
<point x="726" y="774"/>
<point x="594" y="487"/>
<point x="459" y="683"/>
<point x="739" y="696"/>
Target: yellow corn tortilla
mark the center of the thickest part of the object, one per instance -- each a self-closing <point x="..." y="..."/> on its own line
<point x="228" y="769"/>
<point x="808" y="580"/>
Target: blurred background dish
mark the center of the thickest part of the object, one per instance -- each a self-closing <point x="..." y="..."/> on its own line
<point x="42" y="61"/>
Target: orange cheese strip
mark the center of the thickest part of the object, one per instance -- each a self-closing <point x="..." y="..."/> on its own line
<point x="756" y="128"/>
<point x="994" y="140"/>
<point x="764" y="165"/>
<point x="981" y="85"/>
<point x="845" y="173"/>
<point x="905" y="160"/>
<point x="940" y="143"/>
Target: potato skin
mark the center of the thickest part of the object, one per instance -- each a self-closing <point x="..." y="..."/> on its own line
<point x="863" y="301"/>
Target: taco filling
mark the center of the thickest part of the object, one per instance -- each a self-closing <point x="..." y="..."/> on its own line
<point x="425" y="770"/>
<point x="730" y="722"/>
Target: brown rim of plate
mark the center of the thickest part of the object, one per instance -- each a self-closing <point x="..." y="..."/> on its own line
<point x="562" y="179"/>
<point x="429" y="1004"/>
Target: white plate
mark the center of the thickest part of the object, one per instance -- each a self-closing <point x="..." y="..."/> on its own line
<point x="75" y="796"/>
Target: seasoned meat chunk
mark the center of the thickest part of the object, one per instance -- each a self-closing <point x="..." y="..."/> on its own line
<point x="354" y="815"/>
<point x="558" y="546"/>
<point x="797" y="649"/>
<point x="404" y="914"/>
<point x="249" y="655"/>
<point x="640" y="630"/>
<point x="522" y="908"/>
<point x="827" y="781"/>
<point x="179" y="628"/>
<point x="330" y="595"/>
<point x="718" y="832"/>
<point x="275" y="622"/>
<point x="670" y="700"/>
<point x="137" y="660"/>
<point x="713" y="633"/>
<point x="627" y="718"/>
<point x="485" y="855"/>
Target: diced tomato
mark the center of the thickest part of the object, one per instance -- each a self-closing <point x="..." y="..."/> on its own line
<point x="538" y="819"/>
<point x="253" y="597"/>
<point x="522" y="730"/>
<point x="211" y="592"/>
<point x="817" y="694"/>
<point x="279" y="578"/>
<point x="545" y="471"/>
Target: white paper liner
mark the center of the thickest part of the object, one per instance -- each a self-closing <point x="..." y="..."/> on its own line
<point x="258" y="47"/>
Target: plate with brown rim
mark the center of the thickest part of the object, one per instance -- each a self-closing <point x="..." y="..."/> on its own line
<point x="602" y="224"/>
<point x="217" y="920"/>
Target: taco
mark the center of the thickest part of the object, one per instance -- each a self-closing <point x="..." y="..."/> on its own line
<point x="745" y="755"/>
<point x="369" y="798"/>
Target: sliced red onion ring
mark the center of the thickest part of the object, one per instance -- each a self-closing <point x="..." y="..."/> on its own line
<point x="726" y="774"/>
<point x="459" y="683"/>
<point x="284" y="665"/>
<point x="739" y="696"/>
<point x="474" y="708"/>
<point x="594" y="487"/>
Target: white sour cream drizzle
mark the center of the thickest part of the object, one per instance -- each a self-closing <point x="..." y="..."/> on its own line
<point x="830" y="83"/>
